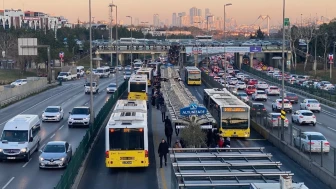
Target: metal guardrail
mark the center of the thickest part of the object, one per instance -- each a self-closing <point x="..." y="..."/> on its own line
<point x="323" y="96"/>
<point x="69" y="175"/>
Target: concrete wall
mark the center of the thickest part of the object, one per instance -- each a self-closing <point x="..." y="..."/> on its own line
<point x="34" y="85"/>
<point x="318" y="171"/>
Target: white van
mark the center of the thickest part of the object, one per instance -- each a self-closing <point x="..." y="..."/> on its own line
<point x="80" y="71"/>
<point x="103" y="71"/>
<point x="20" y="137"/>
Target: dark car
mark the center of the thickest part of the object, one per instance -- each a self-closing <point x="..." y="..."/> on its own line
<point x="257" y="109"/>
<point x="112" y="70"/>
<point x="292" y="97"/>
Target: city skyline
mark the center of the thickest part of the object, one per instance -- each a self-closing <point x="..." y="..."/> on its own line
<point x="244" y="12"/>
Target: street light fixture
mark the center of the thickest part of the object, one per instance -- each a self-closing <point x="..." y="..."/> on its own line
<point x="131" y="39"/>
<point x="228" y="4"/>
<point x="91" y="72"/>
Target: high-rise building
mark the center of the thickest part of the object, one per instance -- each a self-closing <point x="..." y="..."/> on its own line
<point x="136" y="22"/>
<point x="193" y="12"/>
<point x="156" y="20"/>
<point x="174" y="20"/>
<point x="206" y="13"/>
<point x="199" y="12"/>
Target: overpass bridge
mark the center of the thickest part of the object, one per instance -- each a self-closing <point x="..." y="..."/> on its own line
<point x="265" y="53"/>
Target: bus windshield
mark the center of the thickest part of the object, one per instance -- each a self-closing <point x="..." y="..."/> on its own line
<point x="235" y="120"/>
<point x="126" y="139"/>
<point x="144" y="73"/>
<point x="134" y="87"/>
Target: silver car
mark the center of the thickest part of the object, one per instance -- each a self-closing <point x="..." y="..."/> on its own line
<point x="53" y="113"/>
<point x="111" y="88"/>
<point x="55" y="154"/>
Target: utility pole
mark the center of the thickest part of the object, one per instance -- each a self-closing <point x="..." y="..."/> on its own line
<point x="131" y="39"/>
<point x="117" y="44"/>
<point x="111" y="29"/>
<point x="283" y="67"/>
<point x="144" y="55"/>
<point x="228" y="4"/>
<point x="207" y="58"/>
<point x="91" y="69"/>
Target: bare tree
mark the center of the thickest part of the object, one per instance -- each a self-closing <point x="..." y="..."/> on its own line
<point x="293" y="36"/>
<point x="193" y="136"/>
<point x="8" y="43"/>
<point x="325" y="43"/>
<point x="307" y="33"/>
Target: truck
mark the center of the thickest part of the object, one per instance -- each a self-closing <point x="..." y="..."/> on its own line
<point x="67" y="73"/>
<point x="95" y="85"/>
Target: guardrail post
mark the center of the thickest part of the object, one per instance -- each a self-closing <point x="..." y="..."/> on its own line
<point x="278" y="128"/>
<point x="334" y="162"/>
<point x="291" y="134"/>
<point x="310" y="144"/>
<point x="321" y="153"/>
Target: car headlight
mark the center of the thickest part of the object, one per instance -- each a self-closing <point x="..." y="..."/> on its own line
<point x="62" y="159"/>
<point x="87" y="118"/>
<point x="41" y="158"/>
<point x="23" y="150"/>
<point x="1" y="150"/>
<point x="58" y="115"/>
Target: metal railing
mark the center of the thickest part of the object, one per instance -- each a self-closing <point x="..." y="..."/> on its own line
<point x="325" y="97"/>
<point x="69" y="175"/>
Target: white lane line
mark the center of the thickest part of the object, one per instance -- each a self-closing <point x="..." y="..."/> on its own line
<point x="319" y="123"/>
<point x="61" y="127"/>
<point x="23" y="166"/>
<point x="52" y="136"/>
<point x="10" y="180"/>
<point x="42" y="146"/>
<point x="332" y="129"/>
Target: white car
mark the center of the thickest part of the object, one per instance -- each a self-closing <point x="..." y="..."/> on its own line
<point x="233" y="81"/>
<point x="274" y="120"/>
<point x="269" y="73"/>
<point x="53" y="113"/>
<point x="243" y="96"/>
<point x="241" y="85"/>
<point x="273" y="90"/>
<point x="259" y="95"/>
<point x="261" y="85"/>
<point x="310" y="104"/>
<point x="239" y="75"/>
<point x="277" y="105"/>
<point x="304" y="117"/>
<point x="111" y="88"/>
<point x="19" y="82"/>
<point x="311" y="142"/>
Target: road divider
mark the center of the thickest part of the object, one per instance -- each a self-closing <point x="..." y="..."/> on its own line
<point x="72" y="170"/>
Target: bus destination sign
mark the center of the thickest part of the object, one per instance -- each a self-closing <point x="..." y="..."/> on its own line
<point x="232" y="109"/>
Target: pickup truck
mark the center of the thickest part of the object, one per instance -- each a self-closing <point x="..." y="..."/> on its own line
<point x="95" y="87"/>
<point x="67" y="73"/>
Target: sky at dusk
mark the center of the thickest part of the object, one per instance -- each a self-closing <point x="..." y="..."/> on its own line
<point x="244" y="11"/>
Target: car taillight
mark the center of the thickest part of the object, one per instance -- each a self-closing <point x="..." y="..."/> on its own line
<point x="146" y="153"/>
<point x="107" y="154"/>
<point x="253" y="108"/>
<point x="286" y="120"/>
<point x="319" y="105"/>
<point x="274" y="120"/>
<point x="300" y="116"/>
<point x="326" y="143"/>
<point x="314" y="116"/>
<point x="310" y="143"/>
<point x="264" y="109"/>
<point x="308" y="105"/>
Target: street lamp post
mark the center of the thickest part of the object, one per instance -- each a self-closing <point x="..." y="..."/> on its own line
<point x="228" y="4"/>
<point x="117" y="44"/>
<point x="331" y="63"/>
<point x="283" y="67"/>
<point x="131" y="39"/>
<point x="91" y="72"/>
<point x="111" y="29"/>
<point x="208" y="40"/>
<point x="180" y="42"/>
<point x="144" y="55"/>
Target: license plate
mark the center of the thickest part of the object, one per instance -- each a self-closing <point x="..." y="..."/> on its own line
<point x="11" y="158"/>
<point x="51" y="163"/>
<point x="127" y="162"/>
<point x="234" y="135"/>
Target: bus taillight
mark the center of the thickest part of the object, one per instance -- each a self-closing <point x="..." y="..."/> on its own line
<point x="146" y="153"/>
<point x="107" y="154"/>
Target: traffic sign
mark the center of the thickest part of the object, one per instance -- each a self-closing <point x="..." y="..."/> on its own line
<point x="331" y="58"/>
<point x="255" y="49"/>
<point x="286" y="22"/>
<point x="193" y="109"/>
<point x="283" y="114"/>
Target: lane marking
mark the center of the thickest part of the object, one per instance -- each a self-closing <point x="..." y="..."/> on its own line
<point x="61" y="127"/>
<point x="23" y="166"/>
<point x="10" y="180"/>
<point x="52" y="135"/>
<point x="319" y="123"/>
<point x="332" y="129"/>
<point x="255" y="139"/>
<point x="42" y="146"/>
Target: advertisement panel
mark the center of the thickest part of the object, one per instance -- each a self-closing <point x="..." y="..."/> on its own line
<point x="217" y="50"/>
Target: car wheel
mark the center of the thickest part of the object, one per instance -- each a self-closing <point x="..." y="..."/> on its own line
<point x="70" y="126"/>
<point x="314" y="124"/>
<point x="272" y="109"/>
<point x="37" y="147"/>
<point x="303" y="148"/>
<point x="318" y="111"/>
<point x="27" y="157"/>
<point x="292" y="120"/>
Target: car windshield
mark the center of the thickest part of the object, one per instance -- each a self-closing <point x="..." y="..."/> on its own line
<point x="313" y="102"/>
<point x="316" y="137"/>
<point x="242" y="94"/>
<point x="14" y="136"/>
<point x="63" y="73"/>
<point x="291" y="94"/>
<point x="54" y="148"/>
<point x="128" y="73"/>
<point x="88" y="84"/>
<point x="80" y="111"/>
<point x="261" y="92"/>
<point x="18" y="81"/>
<point x="258" y="106"/>
<point x="274" y="88"/>
<point x="275" y="116"/>
<point x="251" y="87"/>
<point x="112" y="85"/>
<point x="52" y="110"/>
<point x="307" y="113"/>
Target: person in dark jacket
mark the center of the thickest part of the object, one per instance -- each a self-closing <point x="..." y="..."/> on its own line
<point x="153" y="100"/>
<point x="168" y="130"/>
<point x="163" y="151"/>
<point x="157" y="101"/>
<point x="163" y="111"/>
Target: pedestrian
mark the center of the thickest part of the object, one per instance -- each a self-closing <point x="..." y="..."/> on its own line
<point x="227" y="142"/>
<point x="163" y="111"/>
<point x="162" y="151"/>
<point x="157" y="101"/>
<point x="153" y="90"/>
<point x="209" y="137"/>
<point x="153" y="100"/>
<point x="168" y="130"/>
<point x="221" y="142"/>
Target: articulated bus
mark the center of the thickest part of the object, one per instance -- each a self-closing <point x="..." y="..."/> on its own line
<point x="192" y="75"/>
<point x="232" y="114"/>
<point x="148" y="72"/>
<point x="137" y="87"/>
<point x="126" y="135"/>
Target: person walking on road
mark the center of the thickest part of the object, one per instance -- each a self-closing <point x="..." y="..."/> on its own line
<point x="163" y="111"/>
<point x="163" y="151"/>
<point x="168" y="130"/>
<point x="157" y="100"/>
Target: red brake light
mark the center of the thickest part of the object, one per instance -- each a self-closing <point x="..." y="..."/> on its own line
<point x="300" y="116"/>
<point x="308" y="105"/>
<point x="264" y="109"/>
<point x="286" y="120"/>
<point x="107" y="154"/>
<point x="314" y="116"/>
<point x="326" y="143"/>
<point x="253" y="108"/>
<point x="310" y="143"/>
<point x="146" y="153"/>
<point x="319" y="105"/>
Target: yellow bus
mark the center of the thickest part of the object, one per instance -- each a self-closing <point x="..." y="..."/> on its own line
<point x="137" y="87"/>
<point x="126" y="135"/>
<point x="232" y="114"/>
<point x="148" y="72"/>
<point x="192" y="75"/>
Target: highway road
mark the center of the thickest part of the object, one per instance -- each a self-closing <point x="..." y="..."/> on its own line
<point x="325" y="125"/>
<point x="27" y="175"/>
<point x="97" y="176"/>
<point x="256" y="140"/>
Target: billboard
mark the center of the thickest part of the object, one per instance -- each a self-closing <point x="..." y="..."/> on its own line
<point x="217" y="50"/>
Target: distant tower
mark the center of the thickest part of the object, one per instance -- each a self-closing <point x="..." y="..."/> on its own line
<point x="263" y="17"/>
